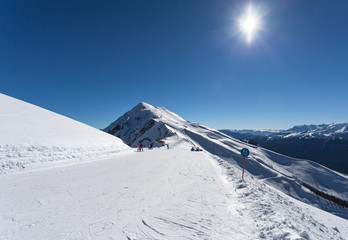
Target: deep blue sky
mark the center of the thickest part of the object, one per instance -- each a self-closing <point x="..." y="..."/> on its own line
<point x="94" y="60"/>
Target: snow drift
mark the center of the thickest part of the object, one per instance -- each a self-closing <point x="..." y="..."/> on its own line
<point x="30" y="134"/>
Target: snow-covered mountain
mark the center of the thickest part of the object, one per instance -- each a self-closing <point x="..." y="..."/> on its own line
<point x="145" y="124"/>
<point x="156" y="194"/>
<point x="30" y="134"/>
<point x="326" y="144"/>
<point x="322" y="131"/>
<point x="249" y="133"/>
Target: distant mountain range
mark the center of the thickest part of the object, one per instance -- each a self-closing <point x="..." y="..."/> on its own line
<point x="326" y="144"/>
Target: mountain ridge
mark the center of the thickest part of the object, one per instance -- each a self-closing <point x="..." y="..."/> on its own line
<point x="133" y="126"/>
<point x="326" y="144"/>
<point x="282" y="172"/>
<point x="333" y="130"/>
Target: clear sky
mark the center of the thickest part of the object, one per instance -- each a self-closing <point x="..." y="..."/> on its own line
<point x="95" y="60"/>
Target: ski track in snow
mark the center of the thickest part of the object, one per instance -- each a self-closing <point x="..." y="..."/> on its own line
<point x="156" y="194"/>
<point x="145" y="124"/>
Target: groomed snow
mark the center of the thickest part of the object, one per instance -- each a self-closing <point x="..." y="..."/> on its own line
<point x="155" y="194"/>
<point x="30" y="134"/>
<point x="99" y="193"/>
<point x="145" y="124"/>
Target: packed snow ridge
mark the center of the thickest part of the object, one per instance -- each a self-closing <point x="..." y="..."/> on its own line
<point x="146" y="124"/>
<point x="31" y="135"/>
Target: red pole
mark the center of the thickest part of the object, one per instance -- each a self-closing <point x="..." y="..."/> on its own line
<point x="243" y="168"/>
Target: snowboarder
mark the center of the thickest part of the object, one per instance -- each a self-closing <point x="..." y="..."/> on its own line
<point x="141" y="148"/>
<point x="167" y="146"/>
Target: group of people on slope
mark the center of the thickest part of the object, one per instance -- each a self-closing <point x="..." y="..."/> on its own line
<point x="141" y="148"/>
<point x="197" y="149"/>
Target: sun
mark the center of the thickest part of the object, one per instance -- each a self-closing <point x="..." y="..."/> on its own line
<point x="249" y="24"/>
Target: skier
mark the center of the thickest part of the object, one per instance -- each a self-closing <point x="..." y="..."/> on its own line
<point x="141" y="148"/>
<point x="167" y="146"/>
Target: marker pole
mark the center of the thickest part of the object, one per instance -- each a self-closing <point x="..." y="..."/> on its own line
<point x="243" y="168"/>
<point x="245" y="152"/>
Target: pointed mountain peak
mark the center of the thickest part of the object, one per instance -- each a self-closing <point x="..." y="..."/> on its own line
<point x="143" y="105"/>
<point x="145" y="123"/>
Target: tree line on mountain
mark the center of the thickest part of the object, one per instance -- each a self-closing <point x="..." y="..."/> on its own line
<point x="326" y="196"/>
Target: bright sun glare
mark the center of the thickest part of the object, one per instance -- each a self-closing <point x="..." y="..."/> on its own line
<point x="249" y="24"/>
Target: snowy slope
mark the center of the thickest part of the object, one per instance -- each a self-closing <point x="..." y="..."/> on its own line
<point x="30" y="134"/>
<point x="326" y="144"/>
<point x="157" y="194"/>
<point x="144" y="124"/>
<point x="284" y="173"/>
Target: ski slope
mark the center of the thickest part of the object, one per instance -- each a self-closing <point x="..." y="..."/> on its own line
<point x="31" y="135"/>
<point x="155" y="194"/>
<point x="145" y="124"/>
<point x="66" y="180"/>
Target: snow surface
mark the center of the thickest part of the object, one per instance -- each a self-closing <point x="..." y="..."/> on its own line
<point x="145" y="124"/>
<point x="30" y="134"/>
<point x="162" y="193"/>
<point x="155" y="194"/>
